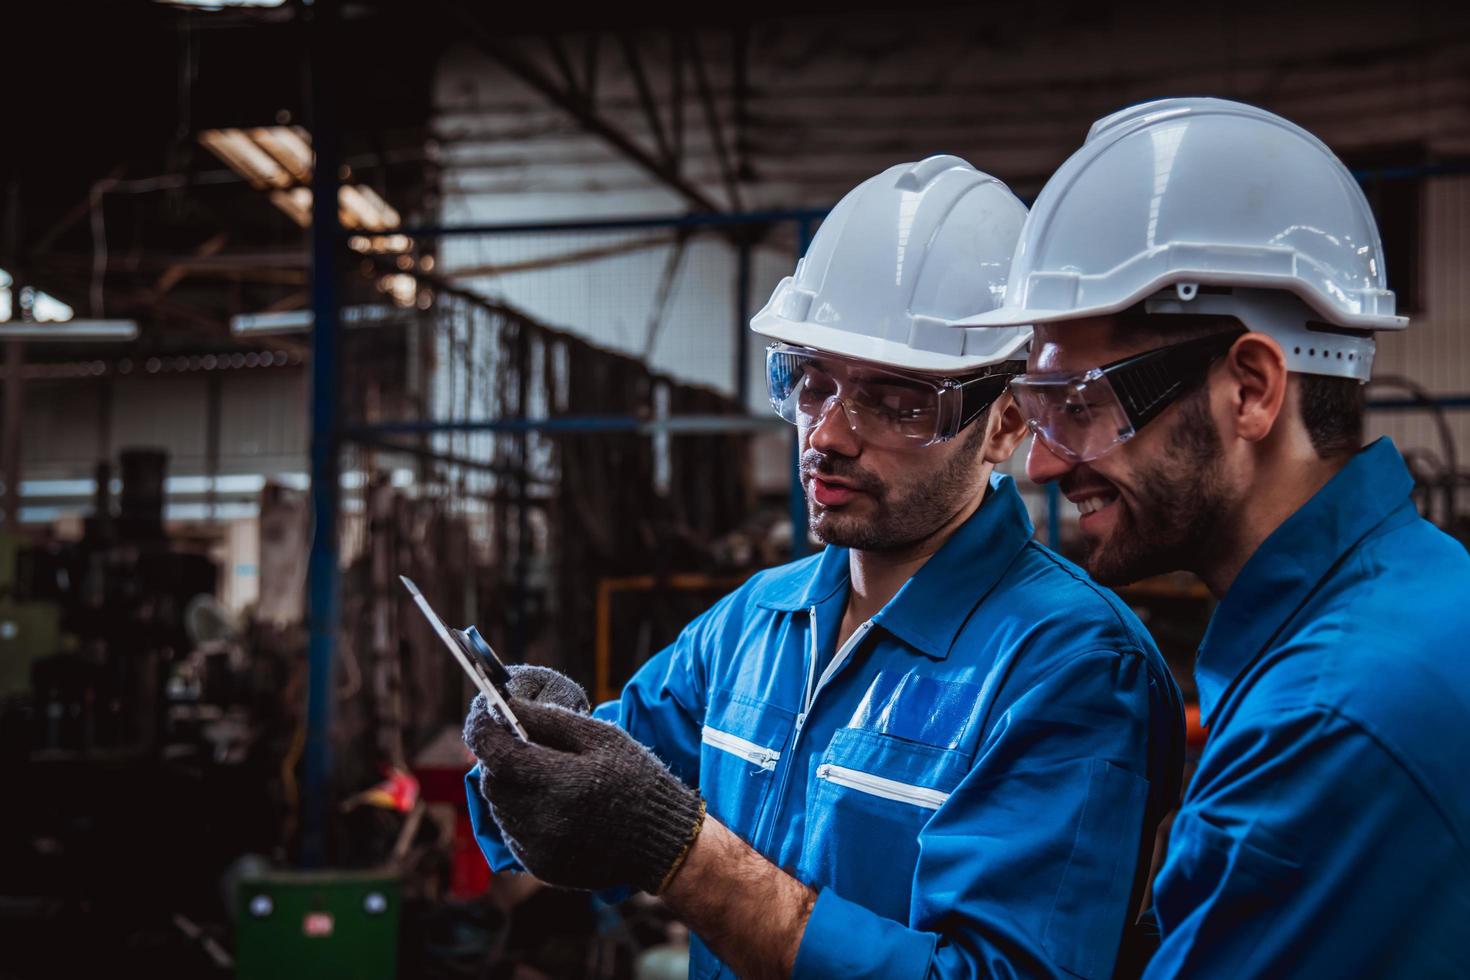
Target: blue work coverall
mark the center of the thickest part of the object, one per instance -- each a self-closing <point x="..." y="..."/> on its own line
<point x="972" y="781"/>
<point x="1326" y="832"/>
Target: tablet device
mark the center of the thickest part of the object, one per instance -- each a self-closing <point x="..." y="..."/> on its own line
<point x="474" y="656"/>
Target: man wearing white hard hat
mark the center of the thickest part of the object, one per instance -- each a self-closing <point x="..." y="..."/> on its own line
<point x="935" y="748"/>
<point x="1206" y="280"/>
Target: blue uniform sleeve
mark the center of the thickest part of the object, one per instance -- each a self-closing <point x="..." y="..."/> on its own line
<point x="662" y="707"/>
<point x="487" y="835"/>
<point x="1306" y="849"/>
<point x="1029" y="868"/>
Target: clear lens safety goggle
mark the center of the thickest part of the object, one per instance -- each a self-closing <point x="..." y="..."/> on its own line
<point x="884" y="407"/>
<point x="1085" y="415"/>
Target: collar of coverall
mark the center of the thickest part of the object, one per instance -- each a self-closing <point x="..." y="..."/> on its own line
<point x="1293" y="560"/>
<point x="933" y="606"/>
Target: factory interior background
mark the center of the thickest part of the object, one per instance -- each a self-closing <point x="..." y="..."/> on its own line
<point x="296" y="298"/>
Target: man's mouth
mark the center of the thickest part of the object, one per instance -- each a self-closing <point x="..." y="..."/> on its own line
<point x="1094" y="507"/>
<point x="830" y="493"/>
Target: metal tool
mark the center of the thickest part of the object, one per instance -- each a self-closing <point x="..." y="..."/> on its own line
<point x="474" y="666"/>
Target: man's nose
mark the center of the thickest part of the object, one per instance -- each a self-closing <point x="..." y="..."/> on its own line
<point x="1043" y="465"/>
<point x="833" y="432"/>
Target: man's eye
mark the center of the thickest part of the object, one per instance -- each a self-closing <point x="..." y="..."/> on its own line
<point x="898" y="408"/>
<point x="1081" y="409"/>
<point x="817" y="384"/>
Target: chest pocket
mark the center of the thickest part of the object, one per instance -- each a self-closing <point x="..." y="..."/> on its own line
<point x="868" y="797"/>
<point x="743" y="739"/>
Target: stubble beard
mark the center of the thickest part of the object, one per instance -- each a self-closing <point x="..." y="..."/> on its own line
<point x="900" y="515"/>
<point x="1173" y="520"/>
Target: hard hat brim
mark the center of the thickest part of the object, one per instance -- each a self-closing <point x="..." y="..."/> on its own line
<point x="890" y="353"/>
<point x="1017" y="316"/>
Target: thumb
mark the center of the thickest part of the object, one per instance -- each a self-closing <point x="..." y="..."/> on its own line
<point x="493" y="744"/>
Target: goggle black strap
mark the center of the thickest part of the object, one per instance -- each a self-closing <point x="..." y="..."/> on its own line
<point x="979" y="394"/>
<point x="1148" y="383"/>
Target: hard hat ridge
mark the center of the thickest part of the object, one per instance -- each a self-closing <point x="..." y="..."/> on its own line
<point x="898" y="260"/>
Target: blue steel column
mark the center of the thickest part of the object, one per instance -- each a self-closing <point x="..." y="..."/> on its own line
<point x="742" y="322"/>
<point x="323" y="572"/>
<point x="797" y="500"/>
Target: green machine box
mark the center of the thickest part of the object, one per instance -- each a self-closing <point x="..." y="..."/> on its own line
<point x="298" y="924"/>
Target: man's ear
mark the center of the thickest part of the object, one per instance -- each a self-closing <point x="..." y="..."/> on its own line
<point x="1256" y="368"/>
<point x="1004" y="430"/>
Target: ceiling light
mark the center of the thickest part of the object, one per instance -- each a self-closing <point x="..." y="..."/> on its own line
<point x="299" y="321"/>
<point x="72" y="330"/>
<point x="290" y="146"/>
<point x="33" y="306"/>
<point x="220" y="4"/>
<point x="248" y="159"/>
<point x="278" y="159"/>
<point x="386" y="217"/>
<point x="361" y="207"/>
<point x="289" y="321"/>
<point x="381" y="243"/>
<point x="296" y="203"/>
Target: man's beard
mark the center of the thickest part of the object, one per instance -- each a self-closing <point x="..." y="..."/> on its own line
<point x="1172" y="521"/>
<point x="903" y="514"/>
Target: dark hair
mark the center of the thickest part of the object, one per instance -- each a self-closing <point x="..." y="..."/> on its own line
<point x="1331" y="408"/>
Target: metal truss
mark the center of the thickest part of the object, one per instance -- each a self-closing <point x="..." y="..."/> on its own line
<point x="573" y="88"/>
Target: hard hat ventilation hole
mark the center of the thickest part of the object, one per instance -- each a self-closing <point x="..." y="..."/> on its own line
<point x="1311" y="352"/>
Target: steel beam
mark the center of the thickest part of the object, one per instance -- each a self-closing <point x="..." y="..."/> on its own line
<point x="580" y="109"/>
<point x="634" y="60"/>
<point x="712" y="120"/>
<point x="675" y="425"/>
<point x="742" y="321"/>
<point x="706" y="219"/>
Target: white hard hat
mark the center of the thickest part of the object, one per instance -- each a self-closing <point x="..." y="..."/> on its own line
<point x="899" y="259"/>
<point x="1232" y="209"/>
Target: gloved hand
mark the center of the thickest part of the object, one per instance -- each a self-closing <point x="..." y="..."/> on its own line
<point x="531" y="683"/>
<point x="583" y="805"/>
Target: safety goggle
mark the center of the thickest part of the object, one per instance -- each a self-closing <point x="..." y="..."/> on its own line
<point x="884" y="407"/>
<point x="1085" y="415"/>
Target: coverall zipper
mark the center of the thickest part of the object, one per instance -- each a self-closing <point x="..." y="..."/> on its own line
<point x="757" y="755"/>
<point x="880" y="786"/>
<point x="813" y="688"/>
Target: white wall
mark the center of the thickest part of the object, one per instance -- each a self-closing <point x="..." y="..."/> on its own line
<point x="264" y="426"/>
<point x="1435" y="349"/>
<point x="73" y="424"/>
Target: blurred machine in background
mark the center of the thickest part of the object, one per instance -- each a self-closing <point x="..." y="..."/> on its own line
<point x="154" y="737"/>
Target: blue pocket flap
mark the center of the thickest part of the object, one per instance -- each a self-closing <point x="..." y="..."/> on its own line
<point x="917" y="708"/>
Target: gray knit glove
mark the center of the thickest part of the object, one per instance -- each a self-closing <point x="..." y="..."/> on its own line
<point x="583" y="805"/>
<point x="531" y="683"/>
